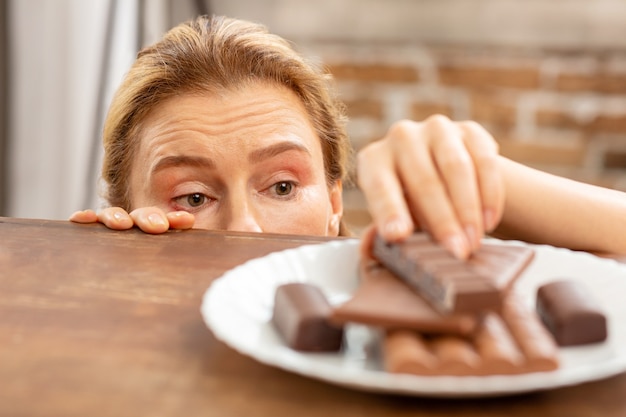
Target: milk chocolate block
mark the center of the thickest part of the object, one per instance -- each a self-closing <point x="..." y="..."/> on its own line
<point x="511" y="343"/>
<point x="383" y="300"/>
<point x="571" y="313"/>
<point x="301" y="315"/>
<point x="450" y="284"/>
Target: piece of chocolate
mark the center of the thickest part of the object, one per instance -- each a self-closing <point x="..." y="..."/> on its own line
<point x="571" y="313"/>
<point x="451" y="284"/>
<point x="385" y="301"/>
<point x="497" y="347"/>
<point x="534" y="341"/>
<point x="301" y="316"/>
<point x="512" y="343"/>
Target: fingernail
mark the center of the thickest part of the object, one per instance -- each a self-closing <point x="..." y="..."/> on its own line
<point x="118" y="216"/>
<point x="457" y="245"/>
<point x="156" y="220"/>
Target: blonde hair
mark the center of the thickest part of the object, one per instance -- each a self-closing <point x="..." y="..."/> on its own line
<point x="213" y="55"/>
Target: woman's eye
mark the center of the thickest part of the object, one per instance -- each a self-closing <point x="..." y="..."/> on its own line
<point x="191" y="202"/>
<point x="283" y="188"/>
<point x="195" y="200"/>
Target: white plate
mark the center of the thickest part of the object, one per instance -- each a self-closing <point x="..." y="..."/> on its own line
<point x="238" y="307"/>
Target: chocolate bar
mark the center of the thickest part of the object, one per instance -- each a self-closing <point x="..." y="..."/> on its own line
<point x="301" y="316"/>
<point x="513" y="342"/>
<point x="383" y="300"/>
<point x="571" y="313"/>
<point x="450" y="284"/>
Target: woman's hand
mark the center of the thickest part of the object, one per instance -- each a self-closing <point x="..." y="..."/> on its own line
<point x="437" y="175"/>
<point x="149" y="219"/>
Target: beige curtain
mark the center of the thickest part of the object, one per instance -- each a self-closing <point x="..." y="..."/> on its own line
<point x="67" y="58"/>
<point x="4" y="97"/>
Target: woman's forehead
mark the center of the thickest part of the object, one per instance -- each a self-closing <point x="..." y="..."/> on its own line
<point x="233" y="121"/>
<point x="254" y="107"/>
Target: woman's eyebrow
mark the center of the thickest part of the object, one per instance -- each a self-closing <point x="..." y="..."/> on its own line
<point x="183" y="160"/>
<point x="259" y="155"/>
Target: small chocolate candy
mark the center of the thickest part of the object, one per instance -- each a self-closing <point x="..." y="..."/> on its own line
<point x="449" y="284"/>
<point x="570" y="313"/>
<point x="301" y="315"/>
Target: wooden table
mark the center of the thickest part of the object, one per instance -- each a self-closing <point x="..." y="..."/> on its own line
<point x="101" y="323"/>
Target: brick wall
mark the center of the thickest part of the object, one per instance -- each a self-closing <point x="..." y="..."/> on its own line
<point x="559" y="111"/>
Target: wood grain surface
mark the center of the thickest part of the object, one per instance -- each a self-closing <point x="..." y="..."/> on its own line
<point x="101" y="323"/>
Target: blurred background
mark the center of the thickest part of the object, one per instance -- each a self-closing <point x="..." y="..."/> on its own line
<point x="547" y="78"/>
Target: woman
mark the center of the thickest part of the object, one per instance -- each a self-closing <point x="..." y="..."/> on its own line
<point x="221" y="125"/>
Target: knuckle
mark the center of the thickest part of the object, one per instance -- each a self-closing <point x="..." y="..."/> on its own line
<point x="437" y="121"/>
<point x="402" y="130"/>
<point x="477" y="133"/>
<point x="472" y="125"/>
